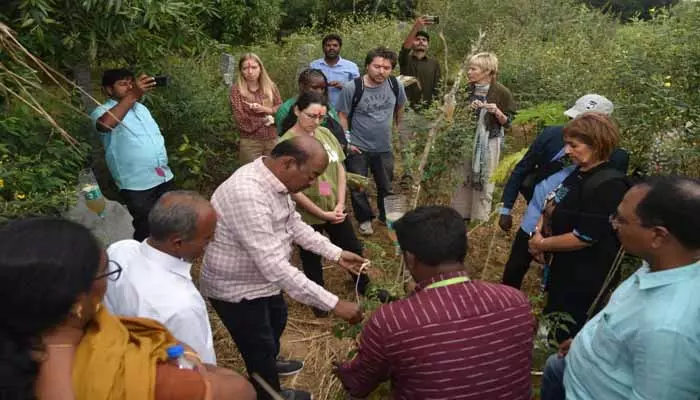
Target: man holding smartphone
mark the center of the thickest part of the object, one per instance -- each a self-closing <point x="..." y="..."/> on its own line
<point x="134" y="146"/>
<point x="413" y="61"/>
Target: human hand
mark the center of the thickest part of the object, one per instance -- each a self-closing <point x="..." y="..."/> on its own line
<point x="336" y="84"/>
<point x="339" y="208"/>
<point x="355" y="150"/>
<point x="334" y="217"/>
<point x="351" y="261"/>
<point x="142" y="85"/>
<point x="348" y="311"/>
<point x="476" y="104"/>
<point x="422" y="22"/>
<point x="505" y="222"/>
<point x="535" y="242"/>
<point x="490" y="107"/>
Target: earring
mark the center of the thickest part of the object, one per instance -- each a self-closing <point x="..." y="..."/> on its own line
<point x="77" y="311"/>
<point x="98" y="307"/>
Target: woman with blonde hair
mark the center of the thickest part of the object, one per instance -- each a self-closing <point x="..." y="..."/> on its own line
<point x="494" y="110"/>
<point x="254" y="100"/>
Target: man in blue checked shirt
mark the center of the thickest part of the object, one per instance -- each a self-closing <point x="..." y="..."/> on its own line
<point x="338" y="70"/>
<point x="540" y="171"/>
<point x="134" y="147"/>
<point x="645" y="343"/>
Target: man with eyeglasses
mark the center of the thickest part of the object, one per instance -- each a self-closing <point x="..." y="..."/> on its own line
<point x="134" y="146"/>
<point x="156" y="282"/>
<point x="645" y="343"/>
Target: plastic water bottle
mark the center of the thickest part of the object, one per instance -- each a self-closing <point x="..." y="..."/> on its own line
<point x="177" y="353"/>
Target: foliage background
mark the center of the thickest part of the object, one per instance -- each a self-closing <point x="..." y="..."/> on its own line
<point x="549" y="51"/>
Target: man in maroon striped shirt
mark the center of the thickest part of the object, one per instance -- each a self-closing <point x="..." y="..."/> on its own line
<point x="453" y="338"/>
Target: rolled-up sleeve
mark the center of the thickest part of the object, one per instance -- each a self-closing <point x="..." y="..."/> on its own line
<point x="666" y="365"/>
<point x="251" y="222"/>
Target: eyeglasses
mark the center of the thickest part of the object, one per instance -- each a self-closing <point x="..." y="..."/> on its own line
<point x="317" y="117"/>
<point x="114" y="271"/>
<point x="616" y="220"/>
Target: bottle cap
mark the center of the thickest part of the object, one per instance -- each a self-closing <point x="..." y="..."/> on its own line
<point x="175" y="351"/>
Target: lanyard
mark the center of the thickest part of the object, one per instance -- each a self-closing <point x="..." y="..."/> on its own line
<point x="448" y="282"/>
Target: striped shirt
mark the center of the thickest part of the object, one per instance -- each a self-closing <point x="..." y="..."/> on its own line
<point x="470" y="340"/>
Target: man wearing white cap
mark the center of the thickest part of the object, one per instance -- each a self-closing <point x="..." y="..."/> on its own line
<point x="542" y="169"/>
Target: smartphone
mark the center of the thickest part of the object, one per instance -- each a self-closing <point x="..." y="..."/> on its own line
<point x="161" y="80"/>
<point x="435" y="19"/>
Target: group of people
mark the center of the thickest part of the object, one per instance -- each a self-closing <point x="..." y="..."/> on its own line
<point x="84" y="323"/>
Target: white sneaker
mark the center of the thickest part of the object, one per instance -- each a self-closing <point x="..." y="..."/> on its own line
<point x="366" y="228"/>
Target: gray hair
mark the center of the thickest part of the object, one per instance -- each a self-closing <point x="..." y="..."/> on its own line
<point x="175" y="213"/>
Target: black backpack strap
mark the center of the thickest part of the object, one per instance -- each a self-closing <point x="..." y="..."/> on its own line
<point x="359" y="89"/>
<point x="590" y="186"/>
<point x="394" y="83"/>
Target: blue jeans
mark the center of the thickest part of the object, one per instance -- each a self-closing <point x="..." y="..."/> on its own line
<point x="553" y="379"/>
<point x="382" y="167"/>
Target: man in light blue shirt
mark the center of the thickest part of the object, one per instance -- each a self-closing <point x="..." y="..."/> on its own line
<point x="134" y="147"/>
<point x="338" y="70"/>
<point x="645" y="344"/>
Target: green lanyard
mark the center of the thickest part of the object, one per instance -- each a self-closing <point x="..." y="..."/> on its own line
<point x="448" y="282"/>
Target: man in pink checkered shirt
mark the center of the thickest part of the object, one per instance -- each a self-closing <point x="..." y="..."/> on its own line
<point x="246" y="265"/>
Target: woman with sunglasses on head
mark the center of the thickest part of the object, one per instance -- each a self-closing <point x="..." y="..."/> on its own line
<point x="574" y="236"/>
<point x="323" y="205"/>
<point x="58" y="342"/>
<point x="312" y="80"/>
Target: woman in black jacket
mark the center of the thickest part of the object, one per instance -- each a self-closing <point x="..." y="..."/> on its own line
<point x="574" y="234"/>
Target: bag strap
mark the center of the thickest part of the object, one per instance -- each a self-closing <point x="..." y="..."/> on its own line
<point x="598" y="179"/>
<point x="608" y="279"/>
<point x="359" y="90"/>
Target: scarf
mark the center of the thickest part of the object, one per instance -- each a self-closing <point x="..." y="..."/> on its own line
<point x="480" y="154"/>
<point x="117" y="358"/>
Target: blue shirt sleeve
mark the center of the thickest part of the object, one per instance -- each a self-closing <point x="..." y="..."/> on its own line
<point x="666" y="365"/>
<point x="355" y="71"/>
<point x="510" y="191"/>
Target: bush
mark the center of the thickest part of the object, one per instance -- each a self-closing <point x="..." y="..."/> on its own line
<point x="38" y="170"/>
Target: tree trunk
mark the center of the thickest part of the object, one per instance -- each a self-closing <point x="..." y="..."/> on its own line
<point x="81" y="72"/>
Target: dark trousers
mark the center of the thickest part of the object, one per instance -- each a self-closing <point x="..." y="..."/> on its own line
<point x="382" y="167"/>
<point x="519" y="261"/>
<point x="256" y="327"/>
<point x="341" y="235"/>
<point x="140" y="202"/>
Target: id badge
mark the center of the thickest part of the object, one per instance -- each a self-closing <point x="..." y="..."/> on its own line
<point x="324" y="188"/>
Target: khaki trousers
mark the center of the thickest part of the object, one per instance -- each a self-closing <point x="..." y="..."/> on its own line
<point x="250" y="149"/>
<point x="468" y="201"/>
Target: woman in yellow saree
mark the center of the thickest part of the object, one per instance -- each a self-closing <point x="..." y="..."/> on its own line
<point x="58" y="343"/>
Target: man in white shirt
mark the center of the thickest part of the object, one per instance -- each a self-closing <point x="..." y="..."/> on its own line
<point x="156" y="281"/>
<point x="247" y="264"/>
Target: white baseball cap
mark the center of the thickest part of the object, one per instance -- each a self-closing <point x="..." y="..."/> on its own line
<point x="590" y="102"/>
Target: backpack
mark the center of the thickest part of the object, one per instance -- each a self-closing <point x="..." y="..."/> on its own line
<point x="360" y="89"/>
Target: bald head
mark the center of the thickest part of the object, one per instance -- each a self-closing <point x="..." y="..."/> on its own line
<point x="298" y="161"/>
<point x="302" y="148"/>
<point x="182" y="223"/>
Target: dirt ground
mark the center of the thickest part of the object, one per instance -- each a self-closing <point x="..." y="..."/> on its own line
<point x="311" y="339"/>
